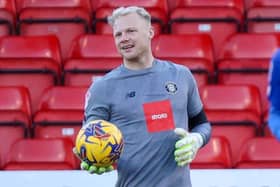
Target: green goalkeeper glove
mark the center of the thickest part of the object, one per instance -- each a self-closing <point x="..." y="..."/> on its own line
<point x="91" y="168"/>
<point x="187" y="146"/>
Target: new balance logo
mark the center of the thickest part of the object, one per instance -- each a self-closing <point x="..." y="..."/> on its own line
<point x="131" y="94"/>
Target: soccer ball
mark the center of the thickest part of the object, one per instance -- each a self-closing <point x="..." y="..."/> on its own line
<point x="99" y="143"/>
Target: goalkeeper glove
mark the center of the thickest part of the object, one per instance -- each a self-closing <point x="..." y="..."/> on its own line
<point x="187" y="146"/>
<point x="91" y="168"/>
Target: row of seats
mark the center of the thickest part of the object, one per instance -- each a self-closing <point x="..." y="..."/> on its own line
<point x="41" y="154"/>
<point x="164" y="6"/>
<point x="255" y="153"/>
<point x="56" y="154"/>
<point x="59" y="115"/>
<point x="160" y="10"/>
<point x="233" y="110"/>
<point x="243" y="59"/>
<point x="219" y="19"/>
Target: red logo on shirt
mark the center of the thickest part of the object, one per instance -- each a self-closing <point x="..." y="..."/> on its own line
<point x="159" y="116"/>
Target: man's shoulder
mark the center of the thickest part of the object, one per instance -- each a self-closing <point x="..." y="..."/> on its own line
<point x="110" y="75"/>
<point x="102" y="81"/>
<point x="171" y="64"/>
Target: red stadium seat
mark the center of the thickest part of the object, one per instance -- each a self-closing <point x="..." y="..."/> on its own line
<point x="194" y="51"/>
<point x="15" y="106"/>
<point x="234" y="112"/>
<point x="33" y="62"/>
<point x="15" y="117"/>
<point x="88" y="59"/>
<point x="214" y="155"/>
<point x="251" y="72"/>
<point x="219" y="19"/>
<point x="66" y="19"/>
<point x="157" y="8"/>
<point x="245" y="59"/>
<point x="263" y="16"/>
<point x="249" y="45"/>
<point x="7" y="17"/>
<point x="60" y="113"/>
<point x="41" y="154"/>
<point x="258" y="153"/>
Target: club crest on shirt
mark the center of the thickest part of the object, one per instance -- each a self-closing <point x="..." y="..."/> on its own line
<point x="171" y="87"/>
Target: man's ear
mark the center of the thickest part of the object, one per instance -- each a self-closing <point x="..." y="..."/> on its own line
<point x="151" y="32"/>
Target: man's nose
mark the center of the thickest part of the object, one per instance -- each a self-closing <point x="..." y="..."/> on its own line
<point x="124" y="37"/>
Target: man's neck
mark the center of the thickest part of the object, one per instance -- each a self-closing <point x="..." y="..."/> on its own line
<point x="139" y="63"/>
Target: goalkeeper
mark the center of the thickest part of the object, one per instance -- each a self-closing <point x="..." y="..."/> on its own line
<point x="147" y="99"/>
<point x="274" y="95"/>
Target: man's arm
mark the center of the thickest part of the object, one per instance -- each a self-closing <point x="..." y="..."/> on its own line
<point x="190" y="142"/>
<point x="200" y="124"/>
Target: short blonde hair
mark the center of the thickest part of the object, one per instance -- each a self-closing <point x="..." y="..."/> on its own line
<point x="122" y="11"/>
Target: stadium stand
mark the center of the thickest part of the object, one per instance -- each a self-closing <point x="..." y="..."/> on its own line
<point x="260" y="153"/>
<point x="30" y="61"/>
<point x="244" y="59"/>
<point x="15" y="117"/>
<point x="51" y="51"/>
<point x="66" y="19"/>
<point x="89" y="60"/>
<point x="194" y="51"/>
<point x="234" y="112"/>
<point x="219" y="19"/>
<point x="215" y="155"/>
<point x="41" y="154"/>
<point x="157" y="8"/>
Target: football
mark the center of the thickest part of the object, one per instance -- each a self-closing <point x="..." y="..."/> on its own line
<point x="99" y="143"/>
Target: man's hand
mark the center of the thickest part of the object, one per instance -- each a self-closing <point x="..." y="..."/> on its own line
<point x="187" y="146"/>
<point x="91" y="168"/>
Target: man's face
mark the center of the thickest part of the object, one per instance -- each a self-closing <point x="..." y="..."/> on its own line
<point x="132" y="36"/>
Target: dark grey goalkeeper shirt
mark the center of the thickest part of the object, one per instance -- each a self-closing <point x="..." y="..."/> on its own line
<point x="147" y="105"/>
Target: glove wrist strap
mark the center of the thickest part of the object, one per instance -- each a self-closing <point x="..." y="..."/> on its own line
<point x="198" y="138"/>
